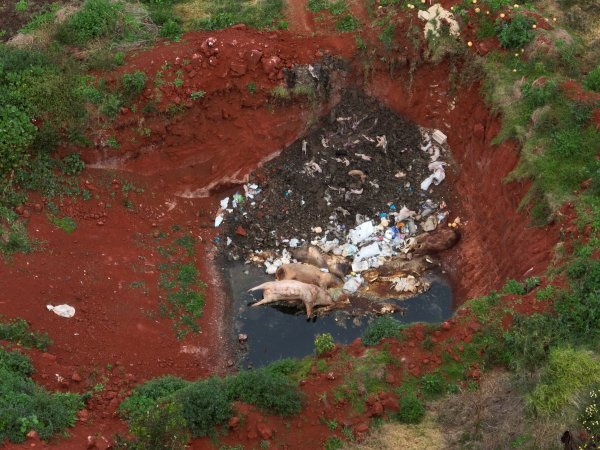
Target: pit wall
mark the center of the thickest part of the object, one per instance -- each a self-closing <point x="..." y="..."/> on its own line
<point x="498" y="243"/>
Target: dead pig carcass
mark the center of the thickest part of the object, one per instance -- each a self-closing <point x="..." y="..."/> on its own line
<point x="292" y="290"/>
<point x="307" y="274"/>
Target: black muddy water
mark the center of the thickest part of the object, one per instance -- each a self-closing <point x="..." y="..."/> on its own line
<point x="276" y="332"/>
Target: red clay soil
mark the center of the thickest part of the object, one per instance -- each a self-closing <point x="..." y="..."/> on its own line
<point x="497" y="242"/>
<point x="216" y="141"/>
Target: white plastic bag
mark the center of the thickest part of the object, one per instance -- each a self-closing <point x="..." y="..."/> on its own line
<point x="361" y="232"/>
<point x="353" y="284"/>
<point x="62" y="310"/>
<point x="368" y="251"/>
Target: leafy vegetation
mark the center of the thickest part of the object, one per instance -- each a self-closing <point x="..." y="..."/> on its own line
<point x="411" y="408"/>
<point x="382" y="327"/>
<point x="96" y="19"/>
<point x="25" y="406"/>
<point x="568" y="371"/>
<point x="347" y="23"/>
<point x="324" y="343"/>
<point x="517" y="32"/>
<point x="207" y="403"/>
<point x="225" y="13"/>
<point x="592" y="80"/>
<point x="270" y="391"/>
<point x="18" y="331"/>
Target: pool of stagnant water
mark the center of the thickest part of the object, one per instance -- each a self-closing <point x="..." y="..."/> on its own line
<point x="274" y="332"/>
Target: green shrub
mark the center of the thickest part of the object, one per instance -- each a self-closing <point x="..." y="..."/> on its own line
<point x="16" y="135"/>
<point x="324" y="343"/>
<point x="150" y="393"/>
<point x="578" y="310"/>
<point x="46" y="15"/>
<point x="347" y="23"/>
<point x="133" y="84"/>
<point x="17" y="330"/>
<point x="529" y="340"/>
<point x="96" y="19"/>
<point x="24" y="406"/>
<point x="72" y="164"/>
<point x="266" y="389"/>
<point x="317" y="5"/>
<point x="111" y="105"/>
<point x="516" y="33"/>
<point x="172" y="30"/>
<point x="14" y="238"/>
<point x="513" y="287"/>
<point x="333" y="443"/>
<point x="381" y="327"/>
<point x="411" y="409"/>
<point x="161" y="427"/>
<point x="21" y="6"/>
<point x="592" y="80"/>
<point x="16" y="362"/>
<point x="567" y="373"/>
<point x="204" y="405"/>
<point x="225" y="13"/>
<point x="433" y="384"/>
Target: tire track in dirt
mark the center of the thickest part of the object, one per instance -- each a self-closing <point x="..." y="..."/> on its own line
<point x="298" y="17"/>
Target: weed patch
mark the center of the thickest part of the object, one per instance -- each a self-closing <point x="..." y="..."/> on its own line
<point x="25" y="406"/>
<point x="18" y="331"/>
<point x="382" y="327"/>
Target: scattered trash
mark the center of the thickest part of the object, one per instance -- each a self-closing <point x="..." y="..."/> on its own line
<point x="361" y="232"/>
<point x="353" y="284"/>
<point x="430" y="224"/>
<point x="439" y="137"/>
<point x="436" y="177"/>
<point x="62" y="310"/>
<point x="365" y="202"/>
<point x="406" y="284"/>
<point x="435" y="17"/>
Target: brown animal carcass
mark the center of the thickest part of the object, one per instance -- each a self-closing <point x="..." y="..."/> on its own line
<point x="307" y="274"/>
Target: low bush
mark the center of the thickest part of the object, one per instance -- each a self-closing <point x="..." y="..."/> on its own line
<point x="516" y="33"/>
<point x="266" y="389"/>
<point x="411" y="409"/>
<point x="578" y="310"/>
<point x="433" y="384"/>
<point x="529" y="340"/>
<point x="150" y="393"/>
<point x="513" y="287"/>
<point x="204" y="405"/>
<point x="207" y="403"/>
<point x="592" y="80"/>
<point x="324" y="343"/>
<point x="25" y="406"/>
<point x="381" y="327"/>
<point x="568" y="372"/>
<point x="161" y="427"/>
<point x="133" y="84"/>
<point x="171" y="29"/>
<point x="96" y="19"/>
<point x="18" y="331"/>
<point x="347" y="23"/>
<point x="225" y="13"/>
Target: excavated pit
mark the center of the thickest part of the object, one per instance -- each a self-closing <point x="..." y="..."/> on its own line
<point x="360" y="163"/>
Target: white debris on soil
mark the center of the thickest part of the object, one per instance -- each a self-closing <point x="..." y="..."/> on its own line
<point x="435" y="16"/>
<point x="66" y="311"/>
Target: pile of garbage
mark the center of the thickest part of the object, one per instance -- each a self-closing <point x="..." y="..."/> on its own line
<point x="362" y="188"/>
